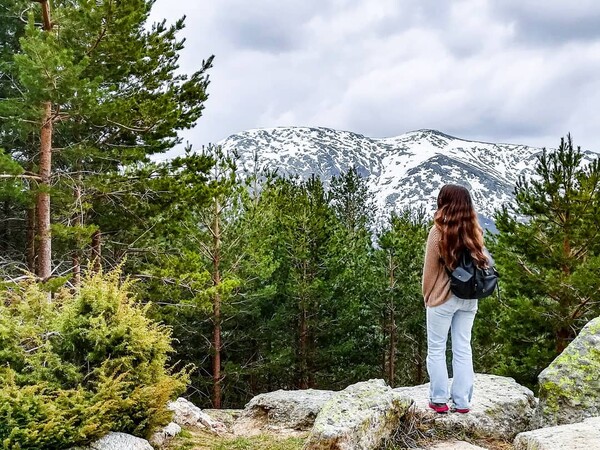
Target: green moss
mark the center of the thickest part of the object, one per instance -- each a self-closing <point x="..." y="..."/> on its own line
<point x="573" y="379"/>
<point x="205" y="440"/>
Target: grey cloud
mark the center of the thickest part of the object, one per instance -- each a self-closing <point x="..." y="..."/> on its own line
<point x="269" y="25"/>
<point x="472" y="68"/>
<point x="551" y="21"/>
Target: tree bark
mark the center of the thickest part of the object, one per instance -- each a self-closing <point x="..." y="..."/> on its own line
<point x="46" y="14"/>
<point x="5" y="230"/>
<point x="392" y="348"/>
<point x="563" y="338"/>
<point x="44" y="247"/>
<point x="77" y="222"/>
<point x="43" y="197"/>
<point x="31" y="220"/>
<point x="391" y="372"/>
<point x="216" y="275"/>
<point x="97" y="251"/>
<point x="303" y="333"/>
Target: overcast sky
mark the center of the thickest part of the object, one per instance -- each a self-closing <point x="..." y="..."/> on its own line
<point x="517" y="71"/>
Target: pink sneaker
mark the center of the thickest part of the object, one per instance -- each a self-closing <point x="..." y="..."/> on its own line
<point x="439" y="408"/>
<point x="460" y="410"/>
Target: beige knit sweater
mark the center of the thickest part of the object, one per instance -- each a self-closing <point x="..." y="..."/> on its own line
<point x="436" y="284"/>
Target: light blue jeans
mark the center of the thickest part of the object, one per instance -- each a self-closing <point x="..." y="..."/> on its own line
<point x="455" y="315"/>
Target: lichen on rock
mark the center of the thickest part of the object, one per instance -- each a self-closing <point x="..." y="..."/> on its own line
<point x="578" y="436"/>
<point x="360" y="417"/>
<point x="500" y="408"/>
<point x="569" y="388"/>
<point x="281" y="411"/>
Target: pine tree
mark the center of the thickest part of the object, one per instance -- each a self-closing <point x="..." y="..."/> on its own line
<point x="548" y="247"/>
<point x="350" y="341"/>
<point x="301" y="230"/>
<point x="115" y="98"/>
<point x="400" y="262"/>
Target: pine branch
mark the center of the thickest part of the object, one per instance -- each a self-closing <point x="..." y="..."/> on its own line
<point x="19" y="120"/>
<point x="26" y="177"/>
<point x="135" y="130"/>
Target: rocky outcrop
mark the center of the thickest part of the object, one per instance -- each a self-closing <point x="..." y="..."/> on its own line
<point x="360" y="417"/>
<point x="281" y="411"/>
<point x="500" y="408"/>
<point x="164" y="435"/>
<point x="225" y="416"/>
<point x="185" y="413"/>
<point x="578" y="436"/>
<point x="118" y="441"/>
<point x="570" y="385"/>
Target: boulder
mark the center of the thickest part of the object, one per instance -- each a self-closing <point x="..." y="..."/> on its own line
<point x="226" y="416"/>
<point x="161" y="437"/>
<point x="360" y="417"/>
<point x="185" y="413"/>
<point x="500" y="408"/>
<point x="118" y="441"/>
<point x="569" y="388"/>
<point x="281" y="411"/>
<point x="578" y="436"/>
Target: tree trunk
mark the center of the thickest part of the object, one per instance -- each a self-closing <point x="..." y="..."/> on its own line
<point x="31" y="219"/>
<point x="303" y="333"/>
<point x="216" y="307"/>
<point x="43" y="197"/>
<point x="5" y="231"/>
<point x="46" y="14"/>
<point x="77" y="222"/>
<point x="563" y="338"/>
<point x="302" y="378"/>
<point x="392" y="348"/>
<point x="44" y="247"/>
<point x="420" y="375"/>
<point x="392" y="331"/>
<point x="97" y="251"/>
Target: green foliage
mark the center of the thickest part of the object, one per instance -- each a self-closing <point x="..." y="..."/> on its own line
<point x="87" y="363"/>
<point x="117" y="97"/>
<point x="548" y="255"/>
<point x="349" y="329"/>
<point x="400" y="265"/>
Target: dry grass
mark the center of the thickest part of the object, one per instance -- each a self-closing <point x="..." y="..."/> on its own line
<point x="417" y="430"/>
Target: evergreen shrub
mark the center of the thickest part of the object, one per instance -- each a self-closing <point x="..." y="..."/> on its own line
<point x="88" y="362"/>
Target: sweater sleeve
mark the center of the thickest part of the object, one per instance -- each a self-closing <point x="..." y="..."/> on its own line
<point x="431" y="263"/>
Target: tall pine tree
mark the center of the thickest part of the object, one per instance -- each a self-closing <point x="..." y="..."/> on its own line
<point x="548" y="252"/>
<point x="114" y="93"/>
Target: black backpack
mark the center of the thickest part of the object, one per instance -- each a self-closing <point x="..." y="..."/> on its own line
<point x="468" y="281"/>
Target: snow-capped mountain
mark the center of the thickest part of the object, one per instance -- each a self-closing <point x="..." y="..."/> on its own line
<point x="406" y="171"/>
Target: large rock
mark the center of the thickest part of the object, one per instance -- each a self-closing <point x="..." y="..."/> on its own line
<point x="118" y="441"/>
<point x="281" y="411"/>
<point x="570" y="385"/>
<point x="185" y="413"/>
<point x="578" y="436"/>
<point x="164" y="435"/>
<point x="225" y="416"/>
<point x="360" y="417"/>
<point x="500" y="408"/>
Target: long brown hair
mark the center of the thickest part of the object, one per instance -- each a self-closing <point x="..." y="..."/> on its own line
<point x="459" y="228"/>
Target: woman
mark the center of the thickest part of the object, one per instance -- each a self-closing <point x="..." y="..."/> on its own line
<point x="455" y="229"/>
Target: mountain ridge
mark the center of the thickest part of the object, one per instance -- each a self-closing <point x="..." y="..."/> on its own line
<point x="404" y="171"/>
